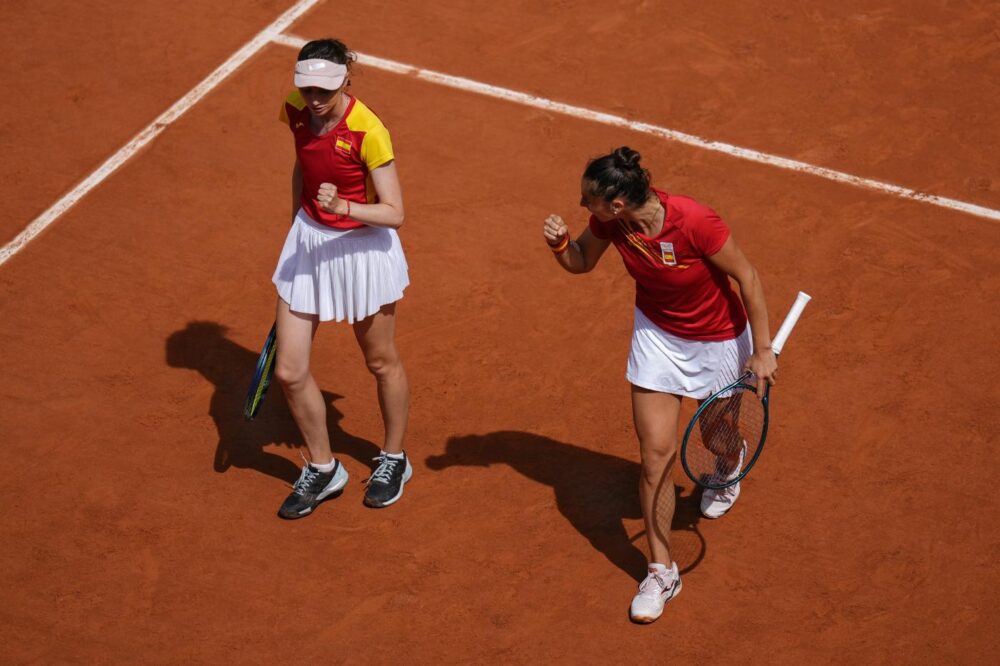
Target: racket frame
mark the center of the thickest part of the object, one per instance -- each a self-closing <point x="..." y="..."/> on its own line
<point x="262" y="375"/>
<point x="739" y="384"/>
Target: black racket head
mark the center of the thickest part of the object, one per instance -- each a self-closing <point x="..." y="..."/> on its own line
<point x="726" y="435"/>
<point x="261" y="377"/>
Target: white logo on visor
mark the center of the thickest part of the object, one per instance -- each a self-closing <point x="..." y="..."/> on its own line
<point x="313" y="66"/>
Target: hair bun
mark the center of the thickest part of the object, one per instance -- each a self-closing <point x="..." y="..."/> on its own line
<point x="618" y="174"/>
<point x="626" y="158"/>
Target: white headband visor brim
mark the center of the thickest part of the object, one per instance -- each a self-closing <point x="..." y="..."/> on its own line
<point x="317" y="73"/>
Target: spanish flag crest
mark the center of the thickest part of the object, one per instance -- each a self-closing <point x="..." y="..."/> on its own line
<point x="667" y="254"/>
<point x="344" y="146"/>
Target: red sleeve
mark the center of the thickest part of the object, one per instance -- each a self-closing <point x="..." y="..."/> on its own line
<point x="598" y="229"/>
<point x="708" y="233"/>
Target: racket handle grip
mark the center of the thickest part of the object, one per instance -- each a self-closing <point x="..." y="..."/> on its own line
<point x="790" y="320"/>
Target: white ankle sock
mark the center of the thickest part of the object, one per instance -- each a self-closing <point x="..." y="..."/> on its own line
<point x="327" y="468"/>
<point x="394" y="456"/>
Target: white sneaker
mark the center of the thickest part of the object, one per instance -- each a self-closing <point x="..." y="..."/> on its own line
<point x="715" y="503"/>
<point x="657" y="589"/>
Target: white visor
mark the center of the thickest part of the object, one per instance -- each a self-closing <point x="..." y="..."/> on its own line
<point x="317" y="73"/>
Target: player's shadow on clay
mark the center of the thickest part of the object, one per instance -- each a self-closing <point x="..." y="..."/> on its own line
<point x="594" y="491"/>
<point x="203" y="346"/>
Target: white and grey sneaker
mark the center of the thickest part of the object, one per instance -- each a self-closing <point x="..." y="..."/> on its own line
<point x="385" y="485"/>
<point x="655" y="590"/>
<point x="312" y="488"/>
<point x="715" y="503"/>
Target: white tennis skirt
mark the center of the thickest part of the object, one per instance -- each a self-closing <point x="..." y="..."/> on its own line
<point x="661" y="361"/>
<point x="340" y="275"/>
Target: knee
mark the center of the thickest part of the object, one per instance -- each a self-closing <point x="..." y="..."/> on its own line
<point x="290" y="375"/>
<point x="657" y="459"/>
<point x="383" y="365"/>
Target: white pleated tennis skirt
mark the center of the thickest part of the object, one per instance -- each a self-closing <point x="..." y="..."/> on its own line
<point x="340" y="275"/>
<point x="663" y="362"/>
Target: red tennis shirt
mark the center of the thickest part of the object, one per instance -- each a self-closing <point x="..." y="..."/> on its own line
<point x="344" y="156"/>
<point x="675" y="285"/>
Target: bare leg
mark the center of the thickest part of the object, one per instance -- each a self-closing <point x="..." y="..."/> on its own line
<point x="720" y="432"/>
<point x="376" y="337"/>
<point x="295" y="336"/>
<point x="655" y="415"/>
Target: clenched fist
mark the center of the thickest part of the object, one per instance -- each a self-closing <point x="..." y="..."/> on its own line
<point x="554" y="230"/>
<point x="328" y="200"/>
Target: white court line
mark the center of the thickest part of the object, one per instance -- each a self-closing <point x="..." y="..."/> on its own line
<point x="263" y="38"/>
<point x="272" y="33"/>
<point x="663" y="132"/>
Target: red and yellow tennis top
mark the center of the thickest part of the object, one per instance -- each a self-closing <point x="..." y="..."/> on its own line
<point x="344" y="156"/>
<point x="675" y="285"/>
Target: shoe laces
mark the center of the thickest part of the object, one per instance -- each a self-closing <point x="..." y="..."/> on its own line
<point x="727" y="494"/>
<point x="386" y="466"/>
<point x="306" y="480"/>
<point x="656" y="583"/>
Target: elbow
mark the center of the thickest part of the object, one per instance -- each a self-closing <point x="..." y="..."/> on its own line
<point x="398" y="217"/>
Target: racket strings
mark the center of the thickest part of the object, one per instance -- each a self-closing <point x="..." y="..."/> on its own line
<point x="726" y="437"/>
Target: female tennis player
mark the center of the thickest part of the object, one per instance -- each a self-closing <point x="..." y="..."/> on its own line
<point x="342" y="261"/>
<point x="691" y="335"/>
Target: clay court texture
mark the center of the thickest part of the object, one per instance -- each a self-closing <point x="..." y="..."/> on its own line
<point x="851" y="147"/>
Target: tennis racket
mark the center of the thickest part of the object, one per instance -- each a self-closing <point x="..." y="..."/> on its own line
<point x="261" y="376"/>
<point x="726" y="435"/>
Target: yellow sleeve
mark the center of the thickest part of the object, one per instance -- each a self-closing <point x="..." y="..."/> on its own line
<point x="295" y="99"/>
<point x="376" y="147"/>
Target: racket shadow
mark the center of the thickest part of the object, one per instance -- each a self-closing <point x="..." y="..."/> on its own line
<point x="204" y="347"/>
<point x="687" y="545"/>
<point x="594" y="491"/>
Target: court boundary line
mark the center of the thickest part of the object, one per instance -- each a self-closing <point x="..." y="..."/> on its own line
<point x="748" y="154"/>
<point x="273" y="34"/>
<point x="264" y="38"/>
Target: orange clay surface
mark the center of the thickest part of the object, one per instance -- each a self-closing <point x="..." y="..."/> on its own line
<point x="138" y="520"/>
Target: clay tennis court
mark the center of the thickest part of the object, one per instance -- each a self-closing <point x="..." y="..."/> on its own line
<point x="139" y="507"/>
